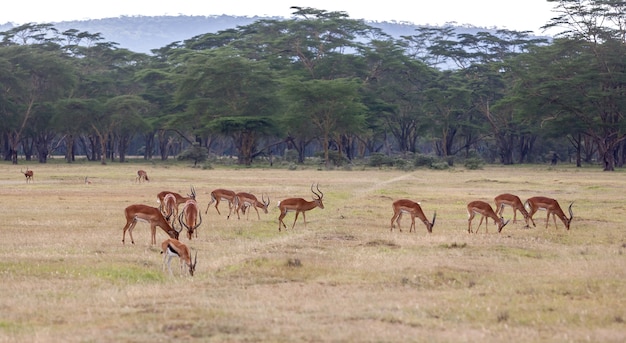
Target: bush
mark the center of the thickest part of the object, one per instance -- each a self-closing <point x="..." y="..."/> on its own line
<point x="474" y="163"/>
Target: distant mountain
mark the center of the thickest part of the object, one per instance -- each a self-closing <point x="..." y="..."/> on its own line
<point x="144" y="33"/>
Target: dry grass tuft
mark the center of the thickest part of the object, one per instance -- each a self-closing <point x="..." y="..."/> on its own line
<point x="343" y="277"/>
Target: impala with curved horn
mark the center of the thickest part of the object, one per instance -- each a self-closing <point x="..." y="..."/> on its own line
<point x="299" y="205"/>
<point x="486" y="212"/>
<point x="172" y="248"/>
<point x="415" y="210"/>
<point x="246" y="200"/>
<point x="189" y="216"/>
<point x="179" y="198"/>
<point x="552" y="207"/>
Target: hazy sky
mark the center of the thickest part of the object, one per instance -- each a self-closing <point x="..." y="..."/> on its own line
<point x="507" y="14"/>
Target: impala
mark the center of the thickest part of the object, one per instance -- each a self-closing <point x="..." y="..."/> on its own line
<point x="147" y="214"/>
<point x="415" y="210"/>
<point x="299" y="205"/>
<point x="172" y="247"/>
<point x="28" y="174"/>
<point x="245" y="200"/>
<point x="486" y="212"/>
<point x="179" y="198"/>
<point x="142" y="176"/>
<point x="514" y="201"/>
<point x="222" y="195"/>
<point x="169" y="207"/>
<point x="190" y="217"/>
<point x="552" y="207"/>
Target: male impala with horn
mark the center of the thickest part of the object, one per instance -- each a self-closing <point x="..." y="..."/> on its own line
<point x="190" y="217"/>
<point x="552" y="207"/>
<point x="299" y="205"/>
<point x="415" y="210"/>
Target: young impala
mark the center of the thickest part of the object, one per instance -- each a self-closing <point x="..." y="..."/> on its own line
<point x="246" y="200"/>
<point x="514" y="201"/>
<point x="299" y="205"/>
<point x="142" y="176"/>
<point x="146" y="214"/>
<point x="486" y="212"/>
<point x="552" y="207"/>
<point x="28" y="174"/>
<point x="171" y="248"/>
<point x="415" y="210"/>
<point x="220" y="194"/>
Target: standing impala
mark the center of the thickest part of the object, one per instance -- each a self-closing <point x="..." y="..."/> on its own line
<point x="486" y="212"/>
<point x="415" y="210"/>
<point x="514" y="201"/>
<point x="173" y="247"/>
<point x="142" y="176"/>
<point x="190" y="217"/>
<point x="552" y="207"/>
<point x="28" y="174"/>
<point x="222" y="195"/>
<point x="146" y="214"/>
<point x="169" y="207"/>
<point x="299" y="205"/>
<point x="246" y="200"/>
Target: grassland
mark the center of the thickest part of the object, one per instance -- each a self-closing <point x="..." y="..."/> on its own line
<point x="66" y="277"/>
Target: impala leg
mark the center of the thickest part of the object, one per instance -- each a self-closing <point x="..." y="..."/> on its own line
<point x="153" y="234"/>
<point x="280" y="220"/>
<point x="394" y="217"/>
<point x="130" y="231"/>
<point x="412" y="228"/>
<point x="294" y="221"/>
<point x="469" y="222"/>
<point x="548" y="220"/>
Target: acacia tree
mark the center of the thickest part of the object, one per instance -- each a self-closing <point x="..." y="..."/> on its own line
<point x="587" y="83"/>
<point x="227" y="94"/>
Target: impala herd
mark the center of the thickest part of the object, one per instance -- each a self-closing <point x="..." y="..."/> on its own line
<point x="167" y="215"/>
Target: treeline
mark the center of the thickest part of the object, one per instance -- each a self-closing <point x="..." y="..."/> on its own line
<point x="326" y="85"/>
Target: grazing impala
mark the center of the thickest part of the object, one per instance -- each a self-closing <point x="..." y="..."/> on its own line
<point x="190" y="217"/>
<point x="299" y="205"/>
<point x="486" y="212"/>
<point x="415" y="210"/>
<point x="179" y="198"/>
<point x="28" y="174"/>
<point x="514" y="201"/>
<point x="246" y="200"/>
<point x="147" y="214"/>
<point x="171" y="248"/>
<point x="142" y="176"/>
<point x="222" y="195"/>
<point x="552" y="207"/>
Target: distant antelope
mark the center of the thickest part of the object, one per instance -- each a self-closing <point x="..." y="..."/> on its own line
<point x="28" y="174"/>
<point x="247" y="200"/>
<point x="299" y="205"/>
<point x="142" y="176"/>
<point x="415" y="210"/>
<point x="87" y="182"/>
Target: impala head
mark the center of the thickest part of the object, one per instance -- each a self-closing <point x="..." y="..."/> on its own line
<point x="429" y="226"/>
<point x="502" y="224"/>
<point x="568" y="221"/>
<point x="266" y="203"/>
<point x="192" y="265"/>
<point x="318" y="197"/>
<point x="193" y="193"/>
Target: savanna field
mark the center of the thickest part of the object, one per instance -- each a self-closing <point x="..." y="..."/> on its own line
<point x="345" y="277"/>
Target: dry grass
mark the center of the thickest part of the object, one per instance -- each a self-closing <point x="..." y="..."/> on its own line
<point x="345" y="277"/>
